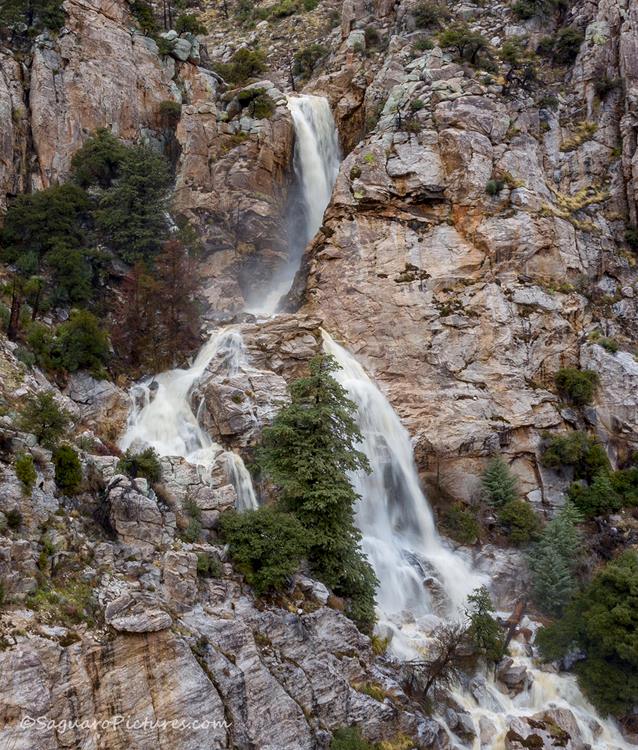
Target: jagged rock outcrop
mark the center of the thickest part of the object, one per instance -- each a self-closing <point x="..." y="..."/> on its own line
<point x="462" y="304"/>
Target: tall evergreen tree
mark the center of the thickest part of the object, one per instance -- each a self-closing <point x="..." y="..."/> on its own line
<point x="308" y="452"/>
<point x="554" y="561"/>
<point x="498" y="483"/>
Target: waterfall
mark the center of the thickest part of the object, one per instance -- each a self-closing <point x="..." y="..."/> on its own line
<point x="419" y="577"/>
<point x="162" y="416"/>
<point x="421" y="581"/>
<point x="316" y="165"/>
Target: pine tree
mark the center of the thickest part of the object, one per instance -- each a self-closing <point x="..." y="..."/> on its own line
<point x="484" y="631"/>
<point x="308" y="452"/>
<point x="498" y="483"/>
<point x="555" y="559"/>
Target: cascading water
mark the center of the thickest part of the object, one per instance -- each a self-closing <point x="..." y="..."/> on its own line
<point x="411" y="561"/>
<point x="162" y="417"/>
<point x="399" y="535"/>
<point x="422" y="581"/>
<point x="316" y="165"/>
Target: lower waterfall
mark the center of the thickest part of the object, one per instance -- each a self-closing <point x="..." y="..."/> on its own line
<point x="162" y="417"/>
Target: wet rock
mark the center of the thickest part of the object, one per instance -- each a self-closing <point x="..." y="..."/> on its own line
<point x="514" y="676"/>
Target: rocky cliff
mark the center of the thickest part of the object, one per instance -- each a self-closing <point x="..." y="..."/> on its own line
<point x="475" y="243"/>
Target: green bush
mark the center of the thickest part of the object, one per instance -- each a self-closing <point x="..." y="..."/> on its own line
<point x="306" y="59"/>
<point x="460" y="523"/>
<point x="599" y="498"/>
<point x="266" y="545"/>
<point x="520" y="522"/>
<point x="577" y="386"/>
<point x="468" y="44"/>
<point x="99" y="161"/>
<point x="35" y="15"/>
<point x="494" y="187"/>
<point x="284" y="8"/>
<point x="25" y="471"/>
<point x="526" y="9"/>
<point x="80" y="343"/>
<point x="554" y="560"/>
<point x="68" y="469"/>
<point x="209" y="566"/>
<point x="257" y="102"/>
<point x="424" y="44"/>
<point x="428" y="14"/>
<point x="349" y="738"/>
<point x="14" y="518"/>
<point x="602" y="621"/>
<point x="498" y="484"/>
<point x="563" y="47"/>
<point x="144" y="464"/>
<point x="243" y="65"/>
<point x="143" y="13"/>
<point x="193" y="529"/>
<point x="170" y="111"/>
<point x="190" y="24"/>
<point x="631" y="237"/>
<point x="577" y="449"/>
<point x="42" y="417"/>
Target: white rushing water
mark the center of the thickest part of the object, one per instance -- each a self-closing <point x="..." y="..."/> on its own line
<point x="316" y="165"/>
<point x="410" y="560"/>
<point x="422" y="581"/>
<point x="162" y="416"/>
<point x="399" y="535"/>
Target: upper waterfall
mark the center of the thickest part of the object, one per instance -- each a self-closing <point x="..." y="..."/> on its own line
<point x="316" y="165"/>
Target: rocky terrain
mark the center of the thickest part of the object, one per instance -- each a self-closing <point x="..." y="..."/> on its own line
<point x="462" y="303"/>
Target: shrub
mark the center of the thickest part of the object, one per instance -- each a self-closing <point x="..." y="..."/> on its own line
<point x="42" y="417"/>
<point x="554" y="560"/>
<point x="244" y="64"/>
<point x="257" y="102"/>
<point x="602" y="621"/>
<point x="284" y="8"/>
<point x="494" y="187"/>
<point x="349" y="738"/>
<point x="605" y="85"/>
<point x="424" y="44"/>
<point x="80" y="343"/>
<point x="68" y="469"/>
<point x="25" y="471"/>
<point x="144" y="464"/>
<point x="577" y="449"/>
<point x="631" y="237"/>
<point x="305" y="60"/>
<point x="190" y="24"/>
<point x="193" y="529"/>
<point x="520" y="521"/>
<point x="428" y="14"/>
<point x="526" y="9"/>
<point x="209" y="566"/>
<point x="498" y="483"/>
<point x="99" y="160"/>
<point x="599" y="498"/>
<point x="170" y="112"/>
<point x="266" y="545"/>
<point x="563" y="47"/>
<point x="143" y="13"/>
<point x="577" y="386"/>
<point x="468" y="44"/>
<point x="14" y="518"/>
<point x="460" y="523"/>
